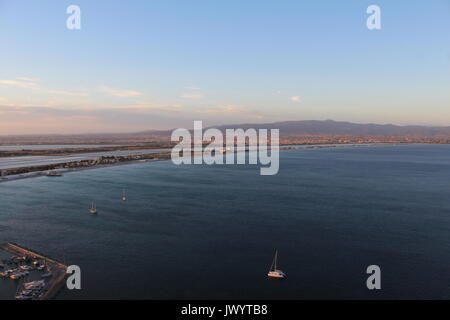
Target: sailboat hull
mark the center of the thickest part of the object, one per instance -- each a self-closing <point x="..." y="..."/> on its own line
<point x="278" y="274"/>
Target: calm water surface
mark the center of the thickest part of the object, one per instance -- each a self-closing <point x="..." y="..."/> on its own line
<point x="211" y="231"/>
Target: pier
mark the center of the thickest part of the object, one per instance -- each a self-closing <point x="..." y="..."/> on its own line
<point x="58" y="270"/>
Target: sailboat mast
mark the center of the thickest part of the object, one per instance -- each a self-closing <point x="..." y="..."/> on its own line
<point x="273" y="266"/>
<point x="276" y="258"/>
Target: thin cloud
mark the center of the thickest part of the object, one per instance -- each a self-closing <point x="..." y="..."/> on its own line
<point x="5" y="103"/>
<point x="28" y="79"/>
<point x="67" y="93"/>
<point x="18" y="83"/>
<point x="82" y="117"/>
<point x="192" y="88"/>
<point x="150" y="107"/>
<point x="19" y="105"/>
<point x="296" y="99"/>
<point x="232" y="109"/>
<point x="192" y="96"/>
<point x="119" y="92"/>
<point x="30" y="83"/>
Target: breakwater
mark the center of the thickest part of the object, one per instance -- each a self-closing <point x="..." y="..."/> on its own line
<point x="26" y="259"/>
<point x="103" y="160"/>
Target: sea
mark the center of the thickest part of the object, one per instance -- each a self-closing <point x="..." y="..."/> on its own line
<point x="211" y="232"/>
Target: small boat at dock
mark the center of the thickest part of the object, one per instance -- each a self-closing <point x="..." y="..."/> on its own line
<point x="54" y="174"/>
<point x="274" y="272"/>
<point x="30" y="291"/>
<point x="18" y="275"/>
<point x="25" y="268"/>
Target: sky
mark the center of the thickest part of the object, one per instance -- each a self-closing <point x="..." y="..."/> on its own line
<point x="161" y="64"/>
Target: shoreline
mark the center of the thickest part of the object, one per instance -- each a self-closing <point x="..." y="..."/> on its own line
<point x="90" y="164"/>
<point x="38" y="174"/>
<point x="77" y="150"/>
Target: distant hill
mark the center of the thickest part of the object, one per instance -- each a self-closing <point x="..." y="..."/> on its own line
<point x="330" y="127"/>
<point x="319" y="131"/>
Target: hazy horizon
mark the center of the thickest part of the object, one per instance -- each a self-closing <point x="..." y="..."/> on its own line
<point x="206" y="125"/>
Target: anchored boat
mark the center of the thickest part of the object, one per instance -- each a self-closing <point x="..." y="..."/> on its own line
<point x="274" y="272"/>
<point x="93" y="209"/>
<point x="54" y="174"/>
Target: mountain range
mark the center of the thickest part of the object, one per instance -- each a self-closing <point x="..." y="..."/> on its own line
<point x="330" y="127"/>
<point x="325" y="131"/>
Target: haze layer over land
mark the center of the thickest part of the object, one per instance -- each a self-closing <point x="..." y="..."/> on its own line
<point x="308" y="131"/>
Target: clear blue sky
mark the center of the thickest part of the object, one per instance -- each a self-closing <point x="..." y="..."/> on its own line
<point x="162" y="63"/>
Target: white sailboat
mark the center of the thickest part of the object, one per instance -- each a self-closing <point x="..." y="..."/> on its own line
<point x="124" y="197"/>
<point x="274" y="272"/>
<point x="93" y="209"/>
